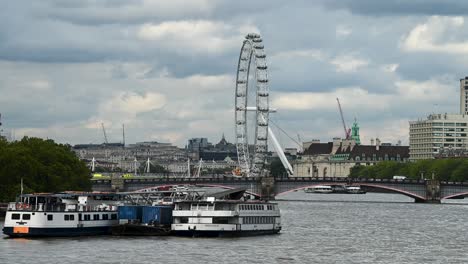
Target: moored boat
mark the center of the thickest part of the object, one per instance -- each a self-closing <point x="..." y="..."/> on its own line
<point x="61" y="214"/>
<point x="355" y="190"/>
<point x="319" y="189"/>
<point x="211" y="217"/>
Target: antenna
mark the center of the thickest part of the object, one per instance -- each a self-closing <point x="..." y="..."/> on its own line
<point x="123" y="134"/>
<point x="105" y="135"/>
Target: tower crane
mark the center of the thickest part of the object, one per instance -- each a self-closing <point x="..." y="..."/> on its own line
<point x="346" y="130"/>
<point x="105" y="135"/>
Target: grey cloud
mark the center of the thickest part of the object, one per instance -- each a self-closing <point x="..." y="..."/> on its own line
<point x="399" y="7"/>
<point x="82" y="49"/>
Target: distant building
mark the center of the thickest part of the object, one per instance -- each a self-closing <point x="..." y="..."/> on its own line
<point x="123" y="157"/>
<point x="335" y="159"/>
<point x="198" y="144"/>
<point x="200" y="148"/>
<point x="464" y="96"/>
<point x="439" y="133"/>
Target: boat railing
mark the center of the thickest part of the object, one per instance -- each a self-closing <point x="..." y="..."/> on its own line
<point x="58" y="208"/>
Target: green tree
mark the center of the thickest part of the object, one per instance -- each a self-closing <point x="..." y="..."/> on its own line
<point x="276" y="168"/>
<point x="44" y="166"/>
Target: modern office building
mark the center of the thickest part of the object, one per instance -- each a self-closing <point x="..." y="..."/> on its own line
<point x="438" y="133"/>
<point x="464" y="96"/>
<point x="441" y="134"/>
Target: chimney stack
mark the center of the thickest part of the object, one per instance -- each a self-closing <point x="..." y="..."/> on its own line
<point x="377" y="144"/>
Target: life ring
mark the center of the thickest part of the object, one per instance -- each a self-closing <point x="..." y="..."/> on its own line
<point x="22" y="206"/>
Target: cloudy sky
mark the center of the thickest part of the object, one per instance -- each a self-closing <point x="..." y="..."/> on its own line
<point x="167" y="68"/>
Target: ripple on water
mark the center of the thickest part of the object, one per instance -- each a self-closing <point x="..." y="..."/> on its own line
<point x="316" y="229"/>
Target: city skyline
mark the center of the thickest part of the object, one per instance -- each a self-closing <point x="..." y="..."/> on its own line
<point x="167" y="69"/>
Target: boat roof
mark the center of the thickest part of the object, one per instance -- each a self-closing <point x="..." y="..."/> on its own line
<point x="70" y="194"/>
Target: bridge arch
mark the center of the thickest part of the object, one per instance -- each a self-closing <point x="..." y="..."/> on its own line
<point x="415" y="196"/>
<point x="197" y="185"/>
<point x="455" y="195"/>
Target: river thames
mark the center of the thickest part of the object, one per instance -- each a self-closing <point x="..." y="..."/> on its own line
<point x="334" y="228"/>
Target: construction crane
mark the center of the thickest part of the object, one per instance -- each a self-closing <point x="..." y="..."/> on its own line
<point x="346" y="130"/>
<point x="105" y="135"/>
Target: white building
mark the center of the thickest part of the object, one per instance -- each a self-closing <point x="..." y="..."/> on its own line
<point x="464" y="96"/>
<point x="441" y="133"/>
<point x="437" y="133"/>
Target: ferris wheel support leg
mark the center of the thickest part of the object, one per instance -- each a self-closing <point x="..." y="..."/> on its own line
<point x="279" y="151"/>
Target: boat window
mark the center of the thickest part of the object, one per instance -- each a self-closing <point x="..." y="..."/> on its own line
<point x="50" y="217"/>
<point x="113" y="216"/>
<point x="220" y="220"/>
<point x="87" y="217"/>
<point x="66" y="217"/>
<point x="26" y="216"/>
<point x="184" y="220"/>
<point x="72" y="217"/>
<point x="96" y="217"/>
<point x="15" y="216"/>
<point x="105" y="217"/>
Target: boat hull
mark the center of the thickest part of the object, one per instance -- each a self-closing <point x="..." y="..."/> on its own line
<point x="140" y="230"/>
<point x="195" y="233"/>
<point x="58" y="232"/>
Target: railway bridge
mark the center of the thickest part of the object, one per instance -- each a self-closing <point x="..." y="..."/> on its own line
<point x="422" y="191"/>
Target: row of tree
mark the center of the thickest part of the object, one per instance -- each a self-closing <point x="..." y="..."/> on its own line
<point x="455" y="169"/>
<point x="44" y="166"/>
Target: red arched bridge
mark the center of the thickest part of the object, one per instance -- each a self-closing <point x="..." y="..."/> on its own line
<point x="425" y="191"/>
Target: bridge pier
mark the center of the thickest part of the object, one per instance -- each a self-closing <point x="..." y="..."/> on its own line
<point x="267" y="188"/>
<point x="117" y="183"/>
<point x="432" y="192"/>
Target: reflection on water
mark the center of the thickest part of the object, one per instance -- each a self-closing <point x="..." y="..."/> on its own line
<point x="335" y="228"/>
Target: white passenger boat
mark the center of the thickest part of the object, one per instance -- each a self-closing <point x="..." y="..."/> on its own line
<point x="61" y="214"/>
<point x="319" y="189"/>
<point x="211" y="217"/>
<point x="355" y="190"/>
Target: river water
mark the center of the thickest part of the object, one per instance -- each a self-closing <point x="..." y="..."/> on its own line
<point x="317" y="228"/>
